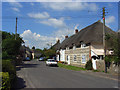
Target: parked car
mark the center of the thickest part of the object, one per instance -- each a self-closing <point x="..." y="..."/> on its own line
<point x="41" y="58"/>
<point x="51" y="62"/>
<point x="27" y="59"/>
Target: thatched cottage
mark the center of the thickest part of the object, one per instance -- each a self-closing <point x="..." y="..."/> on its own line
<point x="84" y="45"/>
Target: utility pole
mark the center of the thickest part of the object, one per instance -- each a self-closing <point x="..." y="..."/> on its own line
<point x="16" y="29"/>
<point x="104" y="46"/>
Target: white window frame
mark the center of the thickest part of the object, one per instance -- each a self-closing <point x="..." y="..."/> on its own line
<point x="75" y="58"/>
<point x="74" y="47"/>
<point x="83" y="45"/>
<point x="84" y="59"/>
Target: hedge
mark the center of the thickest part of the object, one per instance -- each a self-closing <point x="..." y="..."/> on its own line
<point x="5" y="81"/>
<point x="88" y="65"/>
<point x="8" y="66"/>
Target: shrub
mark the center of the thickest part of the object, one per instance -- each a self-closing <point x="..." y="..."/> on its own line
<point x="88" y="65"/>
<point x="7" y="66"/>
<point x="59" y="61"/>
<point x="5" y="80"/>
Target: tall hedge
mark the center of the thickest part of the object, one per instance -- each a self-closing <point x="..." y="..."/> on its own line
<point x="7" y="66"/>
<point x="5" y="81"/>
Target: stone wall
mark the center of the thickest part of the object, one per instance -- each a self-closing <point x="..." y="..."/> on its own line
<point x="113" y="69"/>
<point x="78" y="52"/>
<point x="100" y="64"/>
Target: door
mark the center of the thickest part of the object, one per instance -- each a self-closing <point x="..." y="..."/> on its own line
<point x="94" y="63"/>
<point x="69" y="60"/>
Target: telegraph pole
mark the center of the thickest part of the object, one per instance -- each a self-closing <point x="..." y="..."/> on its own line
<point x="16" y="29"/>
<point x="103" y="9"/>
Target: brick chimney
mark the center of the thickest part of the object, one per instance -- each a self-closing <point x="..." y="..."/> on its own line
<point x="76" y="31"/>
<point x="66" y="36"/>
<point x="58" y="41"/>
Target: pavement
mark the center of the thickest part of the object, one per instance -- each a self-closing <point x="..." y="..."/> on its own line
<point x="35" y="74"/>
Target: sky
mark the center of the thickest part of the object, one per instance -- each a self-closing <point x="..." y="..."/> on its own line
<point x="41" y="24"/>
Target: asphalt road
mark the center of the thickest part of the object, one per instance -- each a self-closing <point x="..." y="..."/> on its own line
<point x="35" y="74"/>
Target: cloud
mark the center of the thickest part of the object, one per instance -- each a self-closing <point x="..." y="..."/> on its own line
<point x="48" y="20"/>
<point x="43" y="15"/>
<point x="61" y="33"/>
<point x="40" y="41"/>
<point x="57" y="23"/>
<point x="37" y="40"/>
<point x="32" y="4"/>
<point x="119" y="30"/>
<point x="110" y="19"/>
<point x="15" y="9"/>
<point x="16" y="4"/>
<point x="70" y="6"/>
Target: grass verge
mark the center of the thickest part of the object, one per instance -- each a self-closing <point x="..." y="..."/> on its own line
<point x="71" y="67"/>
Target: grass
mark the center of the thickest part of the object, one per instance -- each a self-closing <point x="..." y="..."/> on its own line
<point x="95" y="71"/>
<point x="71" y="67"/>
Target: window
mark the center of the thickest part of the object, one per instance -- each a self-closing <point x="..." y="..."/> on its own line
<point x="83" y="59"/>
<point x="74" y="47"/>
<point x="67" y="57"/>
<point x="67" y="48"/>
<point x="83" y="44"/>
<point x="75" y="58"/>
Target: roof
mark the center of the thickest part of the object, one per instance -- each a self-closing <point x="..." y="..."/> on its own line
<point x="90" y="34"/>
<point x="56" y="46"/>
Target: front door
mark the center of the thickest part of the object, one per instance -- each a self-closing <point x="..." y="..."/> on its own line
<point x="69" y="60"/>
<point x="94" y="63"/>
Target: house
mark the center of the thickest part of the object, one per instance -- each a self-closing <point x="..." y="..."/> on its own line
<point x="84" y="45"/>
<point x="35" y="53"/>
<point x="25" y="52"/>
<point x="56" y="47"/>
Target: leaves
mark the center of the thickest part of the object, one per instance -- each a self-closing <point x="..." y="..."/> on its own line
<point x="10" y="46"/>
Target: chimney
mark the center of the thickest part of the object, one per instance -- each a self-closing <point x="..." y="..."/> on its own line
<point x="76" y="31"/>
<point x="58" y="41"/>
<point x="66" y="36"/>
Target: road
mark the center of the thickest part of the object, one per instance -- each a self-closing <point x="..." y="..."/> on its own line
<point x="35" y="74"/>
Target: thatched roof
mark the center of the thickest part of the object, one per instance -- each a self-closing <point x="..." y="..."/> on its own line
<point x="56" y="46"/>
<point x="90" y="34"/>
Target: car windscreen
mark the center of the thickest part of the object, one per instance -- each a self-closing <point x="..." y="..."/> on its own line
<point x="51" y="61"/>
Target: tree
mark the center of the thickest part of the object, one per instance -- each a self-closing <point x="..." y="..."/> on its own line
<point x="49" y="53"/>
<point x="33" y="47"/>
<point x="10" y="46"/>
<point x="113" y="42"/>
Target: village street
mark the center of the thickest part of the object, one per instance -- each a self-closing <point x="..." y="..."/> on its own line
<point x="35" y="74"/>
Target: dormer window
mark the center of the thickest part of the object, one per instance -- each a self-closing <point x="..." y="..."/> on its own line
<point x="82" y="44"/>
<point x="74" y="47"/>
<point x="67" y="48"/>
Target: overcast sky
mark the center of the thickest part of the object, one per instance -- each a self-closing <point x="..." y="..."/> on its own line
<point x="43" y="23"/>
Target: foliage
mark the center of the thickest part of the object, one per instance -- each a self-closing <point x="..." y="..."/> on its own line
<point x="33" y="47"/>
<point x="49" y="53"/>
<point x="10" y="46"/>
<point x="88" y="65"/>
<point x="71" y="67"/>
<point x="5" y="80"/>
<point x="8" y="66"/>
<point x="112" y="58"/>
<point x="112" y="41"/>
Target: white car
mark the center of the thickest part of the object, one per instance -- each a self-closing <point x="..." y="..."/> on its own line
<point x="51" y="62"/>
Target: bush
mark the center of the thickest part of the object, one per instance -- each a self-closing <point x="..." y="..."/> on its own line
<point x="88" y="65"/>
<point x="5" y="80"/>
<point x="7" y="66"/>
<point x="112" y="58"/>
